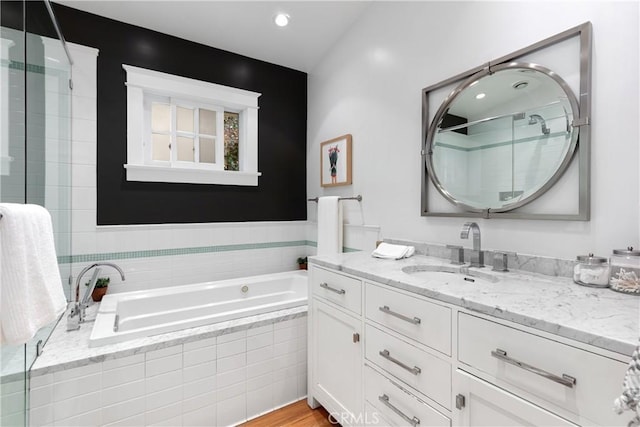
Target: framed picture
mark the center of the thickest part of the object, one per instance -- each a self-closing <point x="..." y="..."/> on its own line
<point x="335" y="161"/>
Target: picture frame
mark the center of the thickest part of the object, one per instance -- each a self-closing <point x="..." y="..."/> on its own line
<point x="335" y="161"/>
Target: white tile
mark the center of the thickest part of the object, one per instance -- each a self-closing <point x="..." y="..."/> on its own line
<point x="122" y="375"/>
<point x="41" y="416"/>
<point x="302" y="356"/>
<point x="302" y="385"/>
<point x="162" y="365"/>
<point x="123" y="411"/>
<point x="259" y="401"/>
<point x="285" y="391"/>
<point x="77" y="387"/>
<point x="41" y="396"/>
<point x="87" y="419"/>
<point x="231" y="377"/>
<point x="76" y="406"/>
<point x="163" y="413"/>
<point x="259" y="355"/>
<point x="260" y="381"/>
<point x="230" y="348"/>
<point x="285" y="347"/>
<point x="38" y="381"/>
<point x="225" y="393"/>
<point x="135" y="421"/>
<point x="231" y="411"/>
<point x="258" y="341"/>
<point x="284" y="361"/>
<point x="199" y="401"/>
<point x="260" y="330"/>
<point x="203" y="386"/>
<point x="83" y="175"/>
<point x="195" y="372"/>
<point x="234" y="336"/>
<point x="171" y="422"/>
<point x="199" y="355"/>
<point x="286" y="334"/>
<point x="207" y="342"/>
<point x="77" y="372"/>
<point x="231" y="363"/>
<point x="205" y="416"/>
<point x="164" y="352"/>
<point x="163" y="398"/>
<point x="260" y="368"/>
<point x="83" y="198"/>
<point x="84" y="130"/>
<point x="122" y="393"/>
<point x="281" y="374"/>
<point x="284" y="324"/>
<point x="84" y="107"/>
<point x="12" y="403"/>
<point x="163" y="381"/>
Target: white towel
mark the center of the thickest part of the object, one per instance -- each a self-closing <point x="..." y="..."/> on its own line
<point x="389" y="251"/>
<point x="31" y="294"/>
<point x="630" y="398"/>
<point x="329" y="226"/>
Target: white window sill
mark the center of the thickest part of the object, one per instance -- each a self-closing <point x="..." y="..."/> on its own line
<point x="148" y="173"/>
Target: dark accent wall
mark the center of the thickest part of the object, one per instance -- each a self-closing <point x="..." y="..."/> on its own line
<point x="282" y="121"/>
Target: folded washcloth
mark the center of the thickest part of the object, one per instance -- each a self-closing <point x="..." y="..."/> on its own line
<point x="389" y="251"/>
<point x="630" y="398"/>
<point x="30" y="285"/>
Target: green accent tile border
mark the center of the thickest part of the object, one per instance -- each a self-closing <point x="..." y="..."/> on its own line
<point x="68" y="259"/>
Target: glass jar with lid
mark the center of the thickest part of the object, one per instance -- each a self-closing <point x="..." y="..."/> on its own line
<point x="625" y="271"/>
<point x="591" y="271"/>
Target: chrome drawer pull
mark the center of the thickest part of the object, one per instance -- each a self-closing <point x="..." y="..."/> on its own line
<point x="386" y="309"/>
<point x="565" y="380"/>
<point x="385" y="399"/>
<point x="385" y="353"/>
<point x="329" y="288"/>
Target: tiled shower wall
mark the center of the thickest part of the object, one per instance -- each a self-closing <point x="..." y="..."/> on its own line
<point x="218" y="381"/>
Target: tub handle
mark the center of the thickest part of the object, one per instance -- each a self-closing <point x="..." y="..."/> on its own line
<point x="115" y="323"/>
<point x="329" y="288"/>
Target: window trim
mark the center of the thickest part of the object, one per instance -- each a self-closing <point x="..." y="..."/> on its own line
<point x="140" y="81"/>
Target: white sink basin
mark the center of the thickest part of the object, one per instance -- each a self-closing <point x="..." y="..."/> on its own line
<point x="450" y="273"/>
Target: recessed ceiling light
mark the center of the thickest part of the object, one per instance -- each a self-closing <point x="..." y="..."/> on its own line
<point x="281" y="19"/>
<point x="480" y="95"/>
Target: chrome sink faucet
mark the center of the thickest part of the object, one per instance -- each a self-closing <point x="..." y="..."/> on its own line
<point x="77" y="313"/>
<point x="476" y="257"/>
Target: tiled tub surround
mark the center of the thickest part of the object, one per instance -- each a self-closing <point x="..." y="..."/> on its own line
<point x="220" y="374"/>
<point x="599" y="317"/>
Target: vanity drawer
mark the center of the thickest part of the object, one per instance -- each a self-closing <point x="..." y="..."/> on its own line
<point x="419" y="369"/>
<point x="388" y="401"/>
<point x="489" y="347"/>
<point x="337" y="288"/>
<point x="423" y="321"/>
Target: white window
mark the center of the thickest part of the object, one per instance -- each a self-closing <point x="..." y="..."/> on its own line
<point x="186" y="130"/>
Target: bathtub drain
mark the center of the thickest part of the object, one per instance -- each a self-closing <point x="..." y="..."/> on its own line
<point x="244" y="289"/>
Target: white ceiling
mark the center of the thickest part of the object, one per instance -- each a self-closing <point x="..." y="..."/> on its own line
<point x="243" y="27"/>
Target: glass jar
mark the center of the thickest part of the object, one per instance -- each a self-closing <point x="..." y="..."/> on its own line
<point x="625" y="271"/>
<point x="591" y="271"/>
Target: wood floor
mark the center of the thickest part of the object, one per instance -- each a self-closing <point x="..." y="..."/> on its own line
<point x="295" y="415"/>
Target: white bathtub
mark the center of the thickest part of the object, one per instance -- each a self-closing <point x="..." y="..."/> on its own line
<point x="129" y="315"/>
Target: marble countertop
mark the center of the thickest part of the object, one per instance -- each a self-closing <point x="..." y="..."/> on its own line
<point x="66" y="350"/>
<point x="595" y="316"/>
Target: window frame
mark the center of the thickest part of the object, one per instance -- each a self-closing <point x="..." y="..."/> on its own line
<point x="144" y="86"/>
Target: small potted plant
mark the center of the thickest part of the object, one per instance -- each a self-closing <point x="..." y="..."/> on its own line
<point x="302" y="263"/>
<point x="100" y="289"/>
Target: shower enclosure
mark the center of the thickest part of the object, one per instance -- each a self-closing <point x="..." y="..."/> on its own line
<point x="35" y="157"/>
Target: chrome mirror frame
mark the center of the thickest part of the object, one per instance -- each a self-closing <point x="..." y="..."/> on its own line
<point x="579" y="145"/>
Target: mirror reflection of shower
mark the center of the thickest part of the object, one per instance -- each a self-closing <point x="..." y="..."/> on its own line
<point x="537" y="118"/>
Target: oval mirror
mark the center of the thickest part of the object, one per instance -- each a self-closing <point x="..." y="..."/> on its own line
<point x="502" y="137"/>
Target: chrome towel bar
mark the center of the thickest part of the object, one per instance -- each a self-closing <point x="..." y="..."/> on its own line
<point x="358" y="198"/>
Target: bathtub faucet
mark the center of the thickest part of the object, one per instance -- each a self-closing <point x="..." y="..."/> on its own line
<point x="77" y="313"/>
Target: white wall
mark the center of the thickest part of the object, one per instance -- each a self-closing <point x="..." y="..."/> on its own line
<point x="370" y="85"/>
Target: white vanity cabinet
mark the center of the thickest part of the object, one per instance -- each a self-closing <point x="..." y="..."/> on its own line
<point x="380" y="355"/>
<point x="335" y="345"/>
